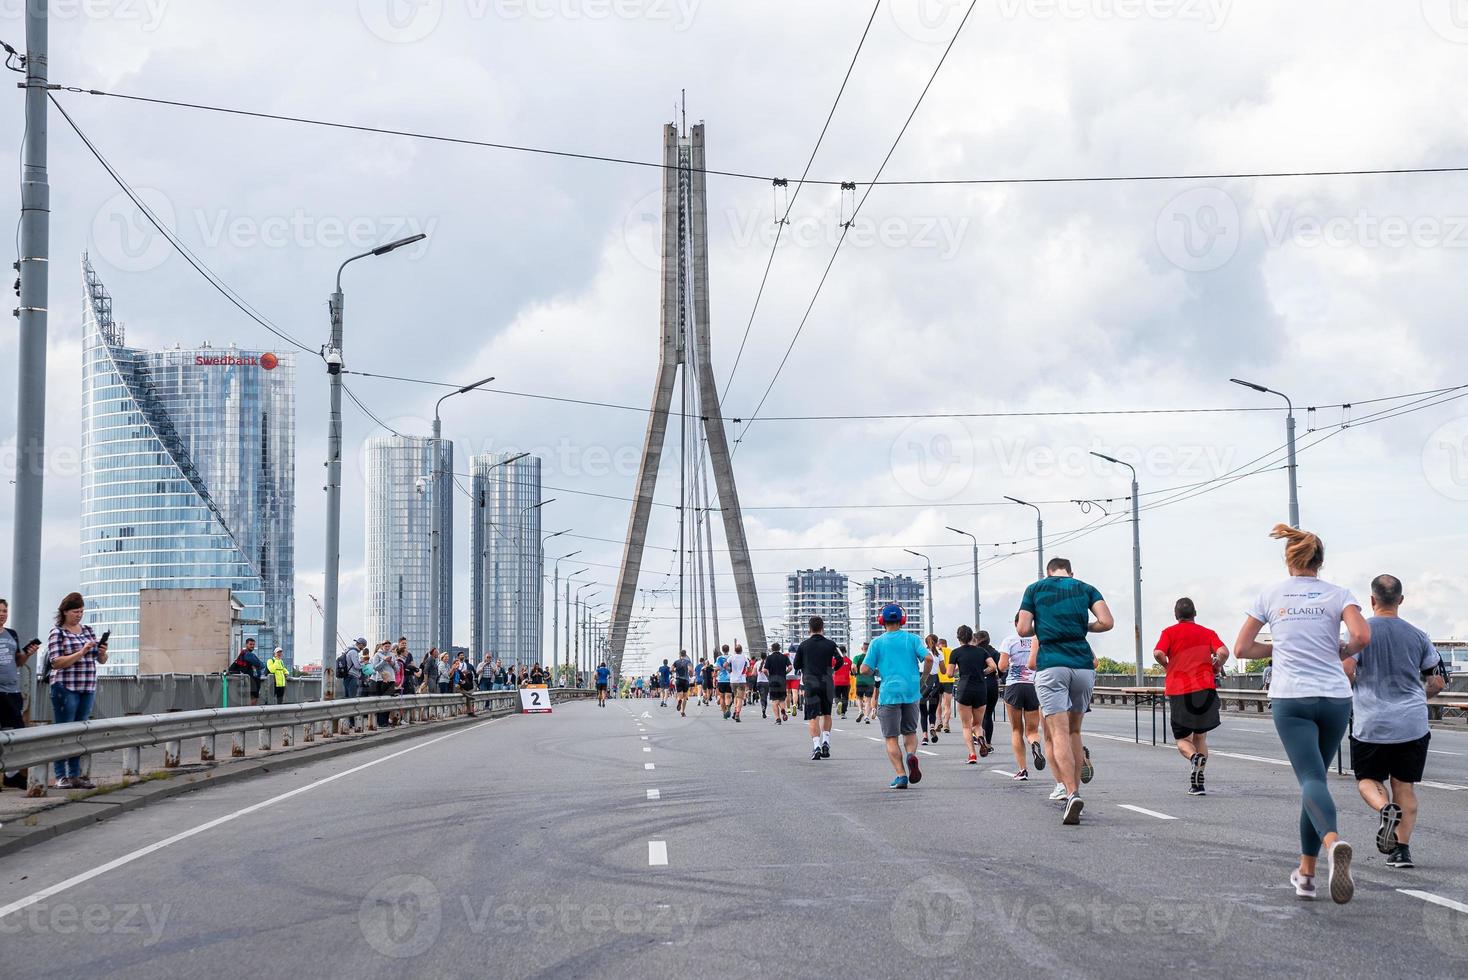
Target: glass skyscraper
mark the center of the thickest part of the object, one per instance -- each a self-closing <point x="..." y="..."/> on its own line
<point x="507" y="586"/>
<point x="901" y="589"/>
<point x="401" y="495"/>
<point x="188" y="479"/>
<point x="817" y="592"/>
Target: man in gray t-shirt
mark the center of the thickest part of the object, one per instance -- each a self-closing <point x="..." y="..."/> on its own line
<point x="1394" y="675"/>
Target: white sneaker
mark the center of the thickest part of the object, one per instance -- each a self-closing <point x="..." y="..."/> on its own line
<point x="1304" y="887"/>
<point x="1058" y="793"/>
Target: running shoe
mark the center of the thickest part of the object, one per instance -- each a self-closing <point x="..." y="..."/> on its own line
<point x="985" y="748"/>
<point x="1304" y="885"/>
<point x="726" y="716"/>
<point x="973" y="760"/>
<point x="825" y="750"/>
<point x="925" y="738"/>
<point x="737" y="718"/>
<point x="869" y="721"/>
<point x="1386" y="831"/>
<point x="1038" y="754"/>
<point x="1073" y="807"/>
<point x="914" y="774"/>
<point x="1023" y="776"/>
<point x="1342" y="888"/>
<point x="1401" y="857"/>
<point x="899" y="783"/>
<point x="935" y="736"/>
<point x="1088" y="771"/>
<point x="1195" y="778"/>
<point x="1195" y="788"/>
<point x="1058" y="793"/>
<point x="815" y="755"/>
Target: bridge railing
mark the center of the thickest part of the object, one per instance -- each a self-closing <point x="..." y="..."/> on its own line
<point x="33" y="748"/>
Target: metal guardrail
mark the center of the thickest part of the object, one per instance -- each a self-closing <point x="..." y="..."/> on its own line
<point x="33" y="748"/>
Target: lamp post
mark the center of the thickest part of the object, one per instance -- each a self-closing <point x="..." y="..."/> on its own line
<point x="1039" y="534"/>
<point x="1136" y="561"/>
<point x="334" y="364"/>
<point x="435" y="582"/>
<point x="556" y="606"/>
<point x="577" y="621"/>
<point x="1289" y="442"/>
<point x="931" y="627"/>
<point x="977" y="608"/>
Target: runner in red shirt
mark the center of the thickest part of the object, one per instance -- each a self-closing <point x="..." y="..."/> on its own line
<point x="842" y="678"/>
<point x="1191" y="655"/>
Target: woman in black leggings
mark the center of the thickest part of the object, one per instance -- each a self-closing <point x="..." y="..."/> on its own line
<point x="932" y="694"/>
<point x="1309" y="693"/>
<point x="991" y="696"/>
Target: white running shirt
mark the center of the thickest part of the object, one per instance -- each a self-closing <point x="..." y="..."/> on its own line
<point x="1303" y="614"/>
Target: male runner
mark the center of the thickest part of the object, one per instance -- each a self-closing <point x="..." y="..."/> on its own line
<point x="897" y="655"/>
<point x="1394" y="675"/>
<point x="866" y="708"/>
<point x="682" y="667"/>
<point x="603" y="675"/>
<point x="777" y="665"/>
<point x="737" y="666"/>
<point x="706" y="672"/>
<point x="665" y="676"/>
<point x="1192" y="655"/>
<point x="726" y="692"/>
<point x="842" y="680"/>
<point x="1058" y="610"/>
<point x="816" y="659"/>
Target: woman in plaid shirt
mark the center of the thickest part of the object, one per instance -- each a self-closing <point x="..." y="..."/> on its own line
<point x="72" y="656"/>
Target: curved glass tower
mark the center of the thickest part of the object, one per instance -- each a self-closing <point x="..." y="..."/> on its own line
<point x="401" y="495"/>
<point x="188" y="479"/>
<point x="508" y="565"/>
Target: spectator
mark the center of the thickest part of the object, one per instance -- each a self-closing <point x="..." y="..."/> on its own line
<point x="486" y="674"/>
<point x="12" y="702"/>
<point x="445" y="669"/>
<point x="248" y="663"/>
<point x="501" y="676"/>
<point x="349" y="667"/>
<point x="537" y="676"/>
<point x="277" y="668"/>
<point x="428" y="673"/>
<point x="383" y="676"/>
<point x="72" y="655"/>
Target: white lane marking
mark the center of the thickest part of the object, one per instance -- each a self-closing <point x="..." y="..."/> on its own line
<point x="646" y="749"/>
<point x="1446" y="903"/>
<point x="1117" y="738"/>
<point x="1441" y="752"/>
<point x="1251" y="758"/>
<point x="643" y="737"/>
<point x="843" y="732"/>
<point x="653" y="794"/>
<point x="925" y="752"/>
<point x="647" y="765"/>
<point x="872" y="738"/>
<point x="1003" y="772"/>
<point x="1145" y="812"/>
<point x="1429" y="783"/>
<point x="657" y="853"/>
<point x="1257" y="731"/>
<point x="142" y="852"/>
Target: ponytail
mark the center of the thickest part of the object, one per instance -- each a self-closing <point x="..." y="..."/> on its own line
<point x="1303" y="549"/>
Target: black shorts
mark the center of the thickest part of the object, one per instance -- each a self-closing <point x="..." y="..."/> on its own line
<point x="1021" y="696"/>
<point x="1193" y="713"/>
<point x="12" y="710"/>
<point x="682" y="685"/>
<point x="725" y="687"/>
<point x="973" y="697"/>
<point x="818" y="701"/>
<point x="601" y="687"/>
<point x="1402" y="761"/>
<point x="945" y="687"/>
<point x="777" y="691"/>
<point x="864" y="690"/>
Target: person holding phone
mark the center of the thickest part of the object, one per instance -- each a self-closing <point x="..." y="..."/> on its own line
<point x="72" y="655"/>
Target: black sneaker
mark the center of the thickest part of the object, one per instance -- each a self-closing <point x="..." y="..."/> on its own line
<point x="825" y="750"/>
<point x="1195" y="788"/>
<point x="1401" y="857"/>
<point x="935" y="736"/>
<point x="1073" y="807"/>
<point x="815" y="755"/>
<point x="925" y="738"/>
<point x="1038" y="755"/>
<point x="1386" y="830"/>
<point x="1088" y="771"/>
<point x="1195" y="779"/>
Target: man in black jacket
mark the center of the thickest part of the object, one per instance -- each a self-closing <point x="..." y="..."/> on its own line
<point x="815" y="660"/>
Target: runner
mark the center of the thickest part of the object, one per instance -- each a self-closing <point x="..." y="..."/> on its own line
<point x="1057" y="609"/>
<point x="706" y="672"/>
<point x="945" y="688"/>
<point x="682" y="667"/>
<point x="842" y="679"/>
<point x="777" y="666"/>
<point x="1390" y="735"/>
<point x="1310" y="695"/>
<point x="654" y="687"/>
<point x="793" y="692"/>
<point x="762" y="687"/>
<point x="1192" y="655"/>
<point x="866" y="702"/>
<point x="991" y="688"/>
<point x="897" y="654"/>
<point x="816" y="659"/>
<point x="726" y="691"/>
<point x="637" y="684"/>
<point x="603" y="675"/>
<point x="1023" y="704"/>
<point x="665" y="680"/>
<point x="932" y="691"/>
<point x="738" y="667"/>
<point x="973" y="667"/>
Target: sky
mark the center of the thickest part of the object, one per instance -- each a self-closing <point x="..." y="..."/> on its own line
<point x="976" y="300"/>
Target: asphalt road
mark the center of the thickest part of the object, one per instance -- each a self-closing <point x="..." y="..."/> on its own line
<point x="626" y="841"/>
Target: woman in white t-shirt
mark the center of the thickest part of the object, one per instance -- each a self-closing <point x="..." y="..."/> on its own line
<point x="1310" y="695"/>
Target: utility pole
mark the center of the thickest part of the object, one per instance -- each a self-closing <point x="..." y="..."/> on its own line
<point x="1289" y="444"/>
<point x="34" y="269"/>
<point x="932" y="626"/>
<point x="1136" y="562"/>
<point x="978" y="615"/>
<point x="1039" y="536"/>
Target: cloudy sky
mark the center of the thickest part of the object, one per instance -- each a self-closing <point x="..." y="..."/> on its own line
<point x="998" y="298"/>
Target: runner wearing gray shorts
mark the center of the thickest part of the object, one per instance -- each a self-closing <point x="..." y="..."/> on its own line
<point x="898" y="719"/>
<point x="1064" y="689"/>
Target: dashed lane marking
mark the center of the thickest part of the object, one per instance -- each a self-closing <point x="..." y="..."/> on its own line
<point x="657" y="853"/>
<point x="1146" y="812"/>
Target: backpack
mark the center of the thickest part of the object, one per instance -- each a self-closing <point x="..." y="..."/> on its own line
<point x="341" y="665"/>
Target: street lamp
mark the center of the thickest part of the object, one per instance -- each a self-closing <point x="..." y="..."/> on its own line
<point x="1289" y="442"/>
<point x="435" y="583"/>
<point x="1039" y="533"/>
<point x="482" y="527"/>
<point x="977" y="607"/>
<point x="577" y="620"/>
<point x="333" y="357"/>
<point x="1136" y="560"/>
<point x="556" y="605"/>
<point x="932" y="628"/>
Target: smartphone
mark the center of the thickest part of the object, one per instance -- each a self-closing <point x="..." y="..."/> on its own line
<point x="103" y="642"/>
